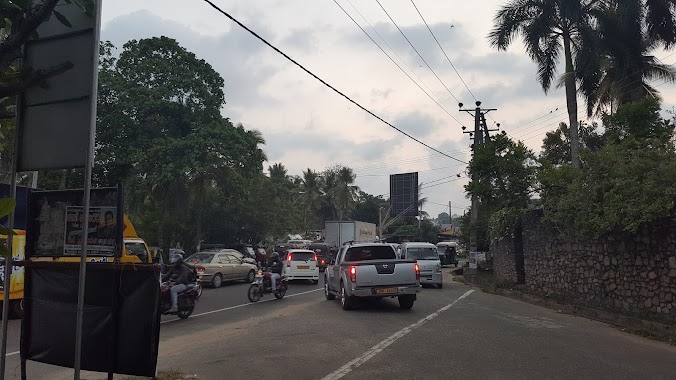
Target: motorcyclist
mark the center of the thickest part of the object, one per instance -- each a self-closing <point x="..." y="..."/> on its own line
<point x="276" y="266"/>
<point x="179" y="274"/>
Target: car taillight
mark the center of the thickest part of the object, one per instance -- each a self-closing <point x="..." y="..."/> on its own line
<point x="199" y="268"/>
<point x="288" y="260"/>
<point x="353" y="275"/>
<point x="315" y="257"/>
<point x="417" y="271"/>
<point x="323" y="262"/>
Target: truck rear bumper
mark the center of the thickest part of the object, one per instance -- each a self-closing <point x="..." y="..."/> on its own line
<point x="385" y="291"/>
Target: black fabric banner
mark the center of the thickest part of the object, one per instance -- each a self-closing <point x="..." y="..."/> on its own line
<point x="121" y="316"/>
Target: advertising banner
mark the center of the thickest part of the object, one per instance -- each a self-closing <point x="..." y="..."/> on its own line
<point x="101" y="234"/>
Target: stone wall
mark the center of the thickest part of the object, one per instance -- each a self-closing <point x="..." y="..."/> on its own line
<point x="504" y="260"/>
<point x="635" y="275"/>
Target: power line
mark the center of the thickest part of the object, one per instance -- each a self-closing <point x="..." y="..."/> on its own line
<point x="442" y="50"/>
<point x="392" y="59"/>
<point x="416" y="50"/>
<point x="423" y="170"/>
<point x="224" y="13"/>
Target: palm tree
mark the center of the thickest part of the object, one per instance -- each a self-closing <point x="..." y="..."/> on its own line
<point x="278" y="173"/>
<point x="547" y="28"/>
<point x="628" y="34"/>
<point x="421" y="203"/>
<point x="346" y="191"/>
<point x="329" y="184"/>
<point x="310" y="185"/>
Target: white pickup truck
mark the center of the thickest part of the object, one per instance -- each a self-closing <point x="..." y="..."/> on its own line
<point x="371" y="270"/>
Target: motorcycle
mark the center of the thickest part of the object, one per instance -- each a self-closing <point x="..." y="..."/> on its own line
<point x="187" y="300"/>
<point x="263" y="285"/>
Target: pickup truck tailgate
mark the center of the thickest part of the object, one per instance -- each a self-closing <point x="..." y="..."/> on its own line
<point x="384" y="272"/>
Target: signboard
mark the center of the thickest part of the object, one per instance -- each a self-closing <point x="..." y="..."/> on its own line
<point x="404" y="194"/>
<point x="473" y="256"/>
<point x="55" y="120"/>
<point x="101" y="234"/>
<point x="54" y="223"/>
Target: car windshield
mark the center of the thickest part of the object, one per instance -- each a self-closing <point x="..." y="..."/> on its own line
<point x="302" y="256"/>
<point x="200" y="258"/>
<point x="370" y="253"/>
<point x="419" y="253"/>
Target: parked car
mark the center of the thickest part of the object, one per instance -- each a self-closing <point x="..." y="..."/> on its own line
<point x="224" y="265"/>
<point x="301" y="264"/>
<point x="323" y="254"/>
<point x="427" y="257"/>
<point x="371" y="270"/>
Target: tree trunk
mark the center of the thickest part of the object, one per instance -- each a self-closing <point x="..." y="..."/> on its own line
<point x="571" y="101"/>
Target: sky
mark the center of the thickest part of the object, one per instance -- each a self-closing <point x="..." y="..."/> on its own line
<point x="307" y="125"/>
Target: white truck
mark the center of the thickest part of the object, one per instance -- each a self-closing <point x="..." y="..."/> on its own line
<point x="339" y="233"/>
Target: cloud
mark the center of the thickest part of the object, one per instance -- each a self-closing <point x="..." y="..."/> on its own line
<point x="235" y="55"/>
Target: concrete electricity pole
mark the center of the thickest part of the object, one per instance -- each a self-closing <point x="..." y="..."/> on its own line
<point x="480" y="136"/>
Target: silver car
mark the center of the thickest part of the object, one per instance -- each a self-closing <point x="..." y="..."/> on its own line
<point x="427" y="257"/>
<point x="224" y="265"/>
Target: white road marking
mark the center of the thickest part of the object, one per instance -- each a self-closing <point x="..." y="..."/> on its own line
<point x="13" y="353"/>
<point x="373" y="351"/>
<point x="238" y="306"/>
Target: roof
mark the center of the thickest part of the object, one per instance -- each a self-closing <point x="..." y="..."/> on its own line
<point x="300" y="250"/>
<point x="419" y="244"/>
<point x="369" y="244"/>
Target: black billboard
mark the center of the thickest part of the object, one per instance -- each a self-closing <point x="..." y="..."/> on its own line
<point x="404" y="194"/>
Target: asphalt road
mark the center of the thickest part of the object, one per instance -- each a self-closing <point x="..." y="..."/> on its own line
<point x="454" y="332"/>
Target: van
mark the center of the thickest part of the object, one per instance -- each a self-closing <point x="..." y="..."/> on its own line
<point x="427" y="257"/>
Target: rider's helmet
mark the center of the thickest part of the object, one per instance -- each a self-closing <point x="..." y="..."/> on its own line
<point x="274" y="256"/>
<point x="176" y="259"/>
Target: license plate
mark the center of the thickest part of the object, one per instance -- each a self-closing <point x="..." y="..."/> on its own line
<point x="303" y="267"/>
<point x="387" y="291"/>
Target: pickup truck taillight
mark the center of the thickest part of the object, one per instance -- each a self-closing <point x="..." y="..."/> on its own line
<point x="353" y="275"/>
<point x="199" y="268"/>
<point x="417" y="271"/>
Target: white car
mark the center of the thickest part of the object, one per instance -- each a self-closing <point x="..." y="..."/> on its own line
<point x="301" y="264"/>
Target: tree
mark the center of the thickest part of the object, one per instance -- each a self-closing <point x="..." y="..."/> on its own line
<point x="160" y="132"/>
<point x="278" y="173"/>
<point x="444" y="218"/>
<point x="422" y="201"/>
<point x="346" y="192"/>
<point x="367" y="208"/>
<point x="556" y="144"/>
<point x="623" y="186"/>
<point x="548" y="27"/>
<point x="503" y="177"/>
<point x="629" y="31"/>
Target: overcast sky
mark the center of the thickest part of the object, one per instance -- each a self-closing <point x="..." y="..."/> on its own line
<point x="307" y="125"/>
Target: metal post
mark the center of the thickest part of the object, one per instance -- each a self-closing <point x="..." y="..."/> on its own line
<point x="380" y="223"/>
<point x="7" y="283"/>
<point x="86" y="198"/>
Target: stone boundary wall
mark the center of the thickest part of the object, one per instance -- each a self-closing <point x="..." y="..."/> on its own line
<point x="635" y="275"/>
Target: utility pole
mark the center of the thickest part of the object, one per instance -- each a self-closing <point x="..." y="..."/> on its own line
<point x="450" y="214"/>
<point x="480" y="136"/>
<point x="380" y="222"/>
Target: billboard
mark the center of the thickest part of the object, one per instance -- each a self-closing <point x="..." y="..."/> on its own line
<point x="404" y="194"/>
<point x="54" y="223"/>
<point x="56" y="119"/>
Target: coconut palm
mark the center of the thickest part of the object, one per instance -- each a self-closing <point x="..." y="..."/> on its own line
<point x="421" y="203"/>
<point x="549" y="28"/>
<point x="629" y="33"/>
<point x="278" y="173"/>
<point x="346" y="192"/>
<point x="310" y="194"/>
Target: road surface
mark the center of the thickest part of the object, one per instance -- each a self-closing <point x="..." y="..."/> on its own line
<point x="454" y="332"/>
